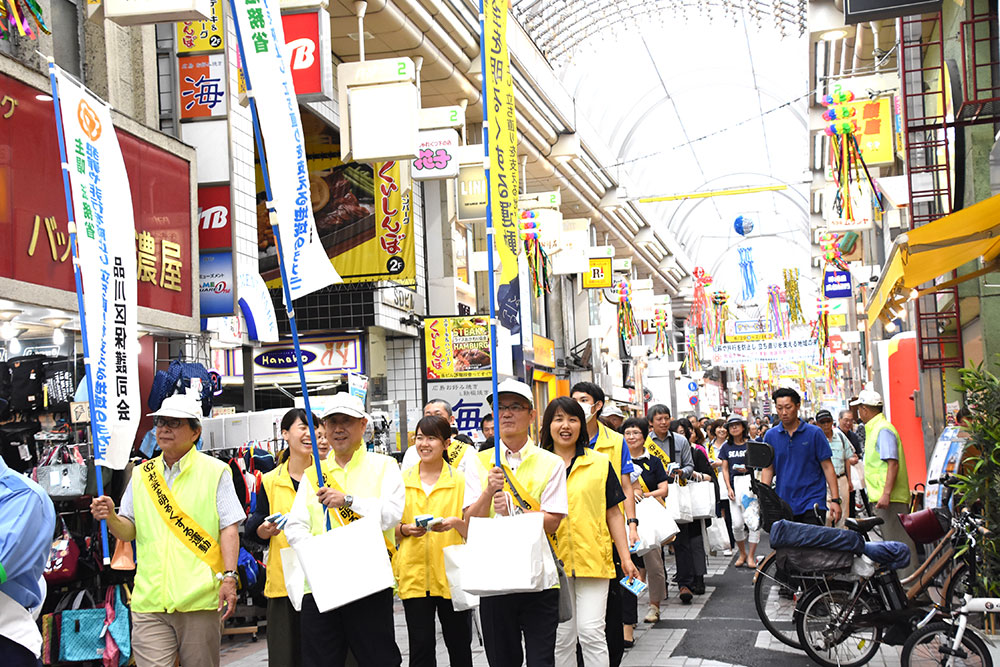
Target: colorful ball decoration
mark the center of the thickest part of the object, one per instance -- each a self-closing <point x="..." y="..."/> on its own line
<point x="743" y="225"/>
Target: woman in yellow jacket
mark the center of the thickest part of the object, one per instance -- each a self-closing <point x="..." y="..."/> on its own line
<point x="275" y="496"/>
<point x="433" y="489"/>
<point x="593" y="527"/>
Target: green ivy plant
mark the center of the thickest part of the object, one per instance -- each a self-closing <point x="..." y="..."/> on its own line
<point x="979" y="484"/>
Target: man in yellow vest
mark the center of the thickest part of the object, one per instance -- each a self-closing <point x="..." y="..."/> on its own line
<point x="541" y="477"/>
<point x="357" y="483"/>
<point x="885" y="470"/>
<point x="182" y="511"/>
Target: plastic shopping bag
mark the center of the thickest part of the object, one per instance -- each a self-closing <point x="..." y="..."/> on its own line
<point x="718" y="538"/>
<point x="506" y="554"/>
<point x="702" y="499"/>
<point x="454" y="559"/>
<point x="679" y="503"/>
<point x="295" y="579"/>
<point x="656" y="526"/>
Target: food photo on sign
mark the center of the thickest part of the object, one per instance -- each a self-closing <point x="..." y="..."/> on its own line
<point x="457" y="347"/>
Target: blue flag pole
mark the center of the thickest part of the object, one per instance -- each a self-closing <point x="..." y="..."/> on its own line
<point x="272" y="215"/>
<point x="78" y="278"/>
<point x="490" y="234"/>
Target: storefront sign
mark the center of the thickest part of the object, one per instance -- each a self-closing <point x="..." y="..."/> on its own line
<point x="202" y="86"/>
<point x="308" y="50"/>
<point x="216" y="283"/>
<point x="733" y="355"/>
<point x="340" y="354"/>
<point x="33" y="221"/>
<point x="740" y="331"/>
<point x="862" y="11"/>
<point x="837" y="284"/>
<point x="875" y="130"/>
<point x="196" y="36"/>
<point x="457" y="347"/>
<point x="215" y="231"/>
<point x="471" y="193"/>
<point x="436" y="157"/>
<point x="144" y="12"/>
<point x="545" y="351"/>
<point x="306" y="264"/>
<point x="599" y="275"/>
<point x="468" y="400"/>
<point x="836" y="320"/>
<point x="836" y="344"/>
<point x="103" y="209"/>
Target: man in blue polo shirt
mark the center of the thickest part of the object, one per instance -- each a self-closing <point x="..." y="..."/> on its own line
<point x="801" y="462"/>
<point x="27" y="519"/>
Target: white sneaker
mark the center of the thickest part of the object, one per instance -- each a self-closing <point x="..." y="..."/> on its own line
<point x="727" y="552"/>
<point x="652" y="615"/>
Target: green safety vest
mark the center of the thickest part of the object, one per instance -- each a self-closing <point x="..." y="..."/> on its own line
<point x="876" y="469"/>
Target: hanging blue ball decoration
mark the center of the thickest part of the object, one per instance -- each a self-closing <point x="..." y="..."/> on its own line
<point x="743" y="225"/>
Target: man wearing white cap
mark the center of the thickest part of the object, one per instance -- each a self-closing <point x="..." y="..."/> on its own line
<point x="182" y="511"/>
<point x="539" y="478"/>
<point x="885" y="469"/>
<point x="613" y="416"/>
<point x="356" y="483"/>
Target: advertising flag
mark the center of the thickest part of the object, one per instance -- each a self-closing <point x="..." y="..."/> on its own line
<point x="102" y="202"/>
<point x="267" y="68"/>
<point x="504" y="188"/>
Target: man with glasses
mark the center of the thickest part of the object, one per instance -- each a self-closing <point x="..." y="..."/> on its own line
<point x="846" y="423"/>
<point x="541" y="476"/>
<point x="181" y="509"/>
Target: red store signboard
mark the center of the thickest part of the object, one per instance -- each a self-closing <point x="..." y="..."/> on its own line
<point x="33" y="226"/>
<point x="308" y="41"/>
<point x="215" y="231"/>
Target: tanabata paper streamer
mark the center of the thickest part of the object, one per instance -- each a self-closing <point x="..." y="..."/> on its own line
<point x="717" y="324"/>
<point x="14" y="17"/>
<point x="627" y="326"/>
<point x="661" y="348"/>
<point x="792" y="296"/>
<point x="749" y="277"/>
<point x="538" y="259"/>
<point x="699" y="305"/>
<point x="776" y="312"/>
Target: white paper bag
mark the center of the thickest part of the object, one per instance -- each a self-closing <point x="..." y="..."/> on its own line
<point x="702" y="499"/>
<point x="345" y="564"/>
<point x="454" y="560"/>
<point x="656" y="526"/>
<point x="718" y="537"/>
<point x="679" y="503"/>
<point x="506" y="554"/>
<point x="295" y="578"/>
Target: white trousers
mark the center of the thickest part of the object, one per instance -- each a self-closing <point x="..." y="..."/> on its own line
<point x="741" y="487"/>
<point x="590" y="601"/>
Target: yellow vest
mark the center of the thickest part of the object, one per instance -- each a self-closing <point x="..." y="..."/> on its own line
<point x="876" y="470"/>
<point x="533" y="472"/>
<point x="168" y="576"/>
<point x="583" y="541"/>
<point x="610" y="444"/>
<point x="419" y="563"/>
<point x="280" y="496"/>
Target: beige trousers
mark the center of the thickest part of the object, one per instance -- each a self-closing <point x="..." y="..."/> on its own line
<point x="159" y="639"/>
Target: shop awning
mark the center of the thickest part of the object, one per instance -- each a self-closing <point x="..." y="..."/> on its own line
<point x="935" y="249"/>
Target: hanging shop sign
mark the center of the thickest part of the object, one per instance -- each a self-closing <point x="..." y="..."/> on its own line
<point x="836" y="344"/>
<point x="216" y="286"/>
<point x="202" y="86"/>
<point x="199" y="36"/>
<point x="836" y="320"/>
<point x="436" y="157"/>
<point x="144" y="12"/>
<point x="468" y="399"/>
<point x="862" y="11"/>
<point x="36" y="246"/>
<point x="875" y="130"/>
<point x="309" y="54"/>
<point x="741" y="331"/>
<point x="471" y="193"/>
<point x="457" y="347"/>
<point x="436" y="118"/>
<point x="766" y="351"/>
<point x="339" y="354"/>
<point x="599" y="274"/>
<point x="837" y="284"/>
<point x="379" y="110"/>
<point x="568" y="246"/>
<point x="545" y="351"/>
<point x="540" y="200"/>
<point x="214" y="229"/>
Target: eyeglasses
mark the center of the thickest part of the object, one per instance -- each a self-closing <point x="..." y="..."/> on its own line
<point x="516" y="409"/>
<point x="169" y="422"/>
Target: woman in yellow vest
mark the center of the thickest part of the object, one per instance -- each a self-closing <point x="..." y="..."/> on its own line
<point x="433" y="489"/>
<point x="593" y="527"/>
<point x="275" y="496"/>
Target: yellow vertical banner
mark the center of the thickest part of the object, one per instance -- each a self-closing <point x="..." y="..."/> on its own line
<point x="502" y="136"/>
<point x="395" y="248"/>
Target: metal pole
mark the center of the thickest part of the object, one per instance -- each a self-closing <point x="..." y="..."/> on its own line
<point x="71" y="226"/>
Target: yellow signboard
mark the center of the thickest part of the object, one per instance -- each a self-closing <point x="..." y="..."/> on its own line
<point x="457" y="347"/>
<point x="198" y="36"/>
<point x="598" y="274"/>
<point x="836" y="320"/>
<point x="545" y="351"/>
<point x="875" y="131"/>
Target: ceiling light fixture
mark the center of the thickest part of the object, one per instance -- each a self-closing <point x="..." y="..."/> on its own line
<point x="8" y="315"/>
<point x="833" y="35"/>
<point x="58" y="336"/>
<point x="14" y="346"/>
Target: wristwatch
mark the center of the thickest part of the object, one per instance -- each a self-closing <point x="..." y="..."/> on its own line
<point x="633" y="521"/>
<point x="230" y="574"/>
<point x="835" y="500"/>
<point x="348" y="500"/>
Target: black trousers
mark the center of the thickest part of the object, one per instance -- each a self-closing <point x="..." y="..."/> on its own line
<point x="284" y="633"/>
<point x="615" y="616"/>
<point x="506" y="618"/>
<point x="365" y="626"/>
<point x="810" y="517"/>
<point x="723" y="509"/>
<point x="689" y="553"/>
<point x="15" y="655"/>
<point x="456" y="626"/>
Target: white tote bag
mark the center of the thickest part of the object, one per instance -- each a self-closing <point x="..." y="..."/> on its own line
<point x="656" y="526"/>
<point x="454" y="560"/>
<point x="702" y="500"/>
<point x="679" y="503"/>
<point x="295" y="578"/>
<point x="357" y="549"/>
<point x="506" y="554"/>
<point x="718" y="537"/>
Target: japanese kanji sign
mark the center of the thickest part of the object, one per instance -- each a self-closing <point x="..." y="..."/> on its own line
<point x="498" y="94"/>
<point x="197" y="36"/>
<point x="875" y="131"/>
<point x="105" y="225"/>
<point x="457" y="347"/>
<point x="306" y="263"/>
<point x="202" y="86"/>
<point x="468" y="402"/>
<point x="436" y="157"/>
<point x="732" y="355"/>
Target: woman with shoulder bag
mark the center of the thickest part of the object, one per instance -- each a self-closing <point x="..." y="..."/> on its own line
<point x="437" y="490"/>
<point x="593" y="527"/>
<point x="736" y="475"/>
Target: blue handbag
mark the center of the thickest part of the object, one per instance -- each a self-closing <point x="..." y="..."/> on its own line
<point x="86" y="634"/>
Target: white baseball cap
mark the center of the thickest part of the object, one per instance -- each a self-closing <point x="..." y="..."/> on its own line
<point x="181" y="406"/>
<point x="867" y="397"/>
<point x="611" y="410"/>
<point x="513" y="387"/>
<point x="348" y="404"/>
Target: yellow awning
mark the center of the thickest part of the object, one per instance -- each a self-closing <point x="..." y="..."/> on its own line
<point x="932" y="250"/>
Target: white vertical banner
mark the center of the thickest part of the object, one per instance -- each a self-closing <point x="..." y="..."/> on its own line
<point x="102" y="202"/>
<point x="262" y="36"/>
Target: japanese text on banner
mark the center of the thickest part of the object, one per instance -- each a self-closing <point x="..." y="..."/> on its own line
<point x="306" y="263"/>
<point x="765" y="351"/>
<point x="102" y="202"/>
<point x="504" y="188"/>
